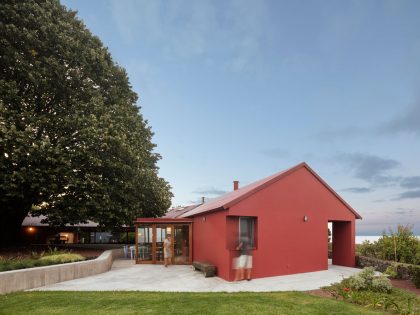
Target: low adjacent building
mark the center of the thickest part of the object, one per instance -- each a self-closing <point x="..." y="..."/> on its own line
<point x="34" y="231"/>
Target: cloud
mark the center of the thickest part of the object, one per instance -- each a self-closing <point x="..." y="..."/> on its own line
<point x="411" y="194"/>
<point x="377" y="228"/>
<point x="187" y="29"/>
<point x="386" y="180"/>
<point x="340" y="134"/>
<point x="210" y="191"/>
<point x="406" y="211"/>
<point x="182" y="28"/>
<point x="132" y="17"/>
<point x="411" y="182"/>
<point x="371" y="168"/>
<point x="408" y="122"/>
<point x="276" y="153"/>
<point x="377" y="221"/>
<point x="358" y="190"/>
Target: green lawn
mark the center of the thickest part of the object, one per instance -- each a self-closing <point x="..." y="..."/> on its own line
<point x="173" y="303"/>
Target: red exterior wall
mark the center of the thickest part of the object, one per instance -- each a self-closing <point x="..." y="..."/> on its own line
<point x="343" y="243"/>
<point x="209" y="241"/>
<point x="285" y="243"/>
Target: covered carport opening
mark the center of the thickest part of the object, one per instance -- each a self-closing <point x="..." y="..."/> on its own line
<point x="343" y="243"/>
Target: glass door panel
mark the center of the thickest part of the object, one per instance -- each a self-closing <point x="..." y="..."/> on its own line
<point x="181" y="244"/>
<point x="145" y="241"/>
<point x="161" y="232"/>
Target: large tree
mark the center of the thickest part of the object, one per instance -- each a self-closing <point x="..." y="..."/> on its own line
<point x="72" y="140"/>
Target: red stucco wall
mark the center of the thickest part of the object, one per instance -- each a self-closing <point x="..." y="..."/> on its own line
<point x="286" y="244"/>
<point x="342" y="238"/>
<point x="209" y="241"/>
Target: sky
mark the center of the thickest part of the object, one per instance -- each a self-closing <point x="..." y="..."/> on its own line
<point x="240" y="90"/>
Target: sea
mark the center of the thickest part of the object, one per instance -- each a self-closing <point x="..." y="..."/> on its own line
<point x="371" y="238"/>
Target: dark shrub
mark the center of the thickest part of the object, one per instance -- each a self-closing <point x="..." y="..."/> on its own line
<point x="415" y="275"/>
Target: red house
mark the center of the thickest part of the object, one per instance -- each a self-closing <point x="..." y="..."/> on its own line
<point x="286" y="214"/>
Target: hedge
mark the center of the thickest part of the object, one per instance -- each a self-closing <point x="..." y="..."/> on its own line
<point x="404" y="271"/>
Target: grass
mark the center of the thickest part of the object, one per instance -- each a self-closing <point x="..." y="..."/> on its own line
<point x="52" y="257"/>
<point x="395" y="302"/>
<point x="62" y="302"/>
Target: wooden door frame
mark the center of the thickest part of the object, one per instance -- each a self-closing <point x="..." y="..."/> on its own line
<point x="154" y="242"/>
<point x="136" y="231"/>
<point x="173" y="243"/>
<point x="191" y="242"/>
<point x="190" y="248"/>
<point x="153" y="227"/>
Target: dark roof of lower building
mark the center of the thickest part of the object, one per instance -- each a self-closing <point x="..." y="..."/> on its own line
<point x="36" y="221"/>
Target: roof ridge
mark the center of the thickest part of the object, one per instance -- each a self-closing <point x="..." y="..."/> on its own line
<point x="260" y="184"/>
<point x="252" y="188"/>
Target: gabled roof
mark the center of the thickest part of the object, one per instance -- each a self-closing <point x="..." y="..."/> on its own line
<point x="226" y="201"/>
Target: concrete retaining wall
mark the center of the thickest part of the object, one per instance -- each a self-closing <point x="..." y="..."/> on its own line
<point x="24" y="279"/>
<point x="85" y="246"/>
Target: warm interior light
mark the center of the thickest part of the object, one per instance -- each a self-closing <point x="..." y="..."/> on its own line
<point x="31" y="229"/>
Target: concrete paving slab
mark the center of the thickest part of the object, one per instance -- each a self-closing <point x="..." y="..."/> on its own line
<point x="127" y="276"/>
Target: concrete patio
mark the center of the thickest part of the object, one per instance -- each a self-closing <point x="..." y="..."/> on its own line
<point x="126" y="276"/>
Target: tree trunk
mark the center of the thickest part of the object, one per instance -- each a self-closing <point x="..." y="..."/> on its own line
<point x="11" y="218"/>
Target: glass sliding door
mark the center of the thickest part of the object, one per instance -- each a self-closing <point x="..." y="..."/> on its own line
<point x="181" y="244"/>
<point x="145" y="243"/>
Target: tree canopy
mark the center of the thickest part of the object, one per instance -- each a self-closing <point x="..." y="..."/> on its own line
<point x="73" y="142"/>
<point x="399" y="246"/>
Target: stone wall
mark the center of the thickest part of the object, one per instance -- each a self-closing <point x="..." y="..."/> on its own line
<point x="24" y="279"/>
<point x="403" y="270"/>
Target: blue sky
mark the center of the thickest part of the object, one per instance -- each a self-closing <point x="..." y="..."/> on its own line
<point x="239" y="90"/>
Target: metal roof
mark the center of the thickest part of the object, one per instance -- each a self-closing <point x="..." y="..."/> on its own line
<point x="176" y="212"/>
<point x="224" y="202"/>
<point x="162" y="220"/>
